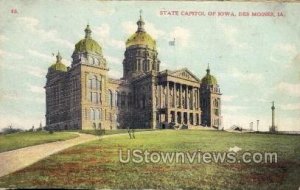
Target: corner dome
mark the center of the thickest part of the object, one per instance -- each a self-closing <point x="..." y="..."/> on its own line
<point x="88" y="44"/>
<point x="141" y="37"/>
<point x="58" y="66"/>
<point x="209" y="79"/>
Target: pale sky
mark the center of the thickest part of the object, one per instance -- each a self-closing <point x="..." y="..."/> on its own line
<point x="255" y="59"/>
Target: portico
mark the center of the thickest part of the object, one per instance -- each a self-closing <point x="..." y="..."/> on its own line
<point x="178" y="100"/>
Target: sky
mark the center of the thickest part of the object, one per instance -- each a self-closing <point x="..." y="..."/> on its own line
<point x="256" y="59"/>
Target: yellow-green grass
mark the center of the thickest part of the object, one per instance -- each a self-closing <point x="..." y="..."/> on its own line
<point x="96" y="164"/>
<point x="111" y="132"/>
<point x="24" y="139"/>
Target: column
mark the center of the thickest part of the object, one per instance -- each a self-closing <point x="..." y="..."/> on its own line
<point x="174" y="95"/>
<point x="167" y="95"/>
<point x="192" y="99"/>
<point x="180" y="95"/>
<point x="159" y="96"/>
<point x="181" y="117"/>
<point x="186" y="97"/>
<point x="175" y="117"/>
<point x="194" y="118"/>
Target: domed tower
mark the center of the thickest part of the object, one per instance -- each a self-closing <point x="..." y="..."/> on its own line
<point x="56" y="93"/>
<point x="88" y="51"/>
<point x="210" y="100"/>
<point x="140" y="54"/>
<point x="58" y="65"/>
<point x="87" y="83"/>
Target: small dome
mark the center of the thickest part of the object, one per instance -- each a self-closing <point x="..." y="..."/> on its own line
<point x="58" y="66"/>
<point x="209" y="79"/>
<point x="141" y="37"/>
<point x="88" y="44"/>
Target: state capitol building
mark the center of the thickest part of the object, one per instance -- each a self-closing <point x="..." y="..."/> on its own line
<point x="82" y="96"/>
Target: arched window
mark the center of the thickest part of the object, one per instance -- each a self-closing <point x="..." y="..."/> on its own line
<point x="94" y="82"/>
<point x="92" y="114"/>
<point x="110" y="98"/>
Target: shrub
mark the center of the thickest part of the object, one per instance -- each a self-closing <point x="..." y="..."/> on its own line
<point x="10" y="129"/>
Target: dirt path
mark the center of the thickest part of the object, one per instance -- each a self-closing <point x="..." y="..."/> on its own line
<point x="14" y="160"/>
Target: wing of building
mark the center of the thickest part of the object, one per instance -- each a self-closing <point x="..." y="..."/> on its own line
<point x="82" y="96"/>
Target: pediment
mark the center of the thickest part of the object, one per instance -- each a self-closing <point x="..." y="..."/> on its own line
<point x="185" y="74"/>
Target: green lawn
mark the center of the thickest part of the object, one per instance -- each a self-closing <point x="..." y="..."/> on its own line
<point x="96" y="164"/>
<point x="111" y="132"/>
<point x="24" y="139"/>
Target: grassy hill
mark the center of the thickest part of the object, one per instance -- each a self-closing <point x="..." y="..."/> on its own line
<point x="24" y="139"/>
<point x="96" y="164"/>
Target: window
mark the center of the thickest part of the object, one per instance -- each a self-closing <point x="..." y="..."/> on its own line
<point x="97" y="114"/>
<point x="110" y="98"/>
<point x="92" y="114"/>
<point x="123" y="97"/>
<point x="94" y="83"/>
<point x="100" y="114"/>
<point x="95" y="97"/>
<point x="216" y="112"/>
<point x="117" y="95"/>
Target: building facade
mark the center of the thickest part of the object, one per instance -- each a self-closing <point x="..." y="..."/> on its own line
<point x="82" y="96"/>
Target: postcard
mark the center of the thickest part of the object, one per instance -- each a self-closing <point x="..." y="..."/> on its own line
<point x="149" y="94"/>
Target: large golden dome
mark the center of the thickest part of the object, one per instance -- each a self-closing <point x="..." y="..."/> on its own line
<point x="141" y="37"/>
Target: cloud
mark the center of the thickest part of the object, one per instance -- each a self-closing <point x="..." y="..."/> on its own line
<point x="9" y="95"/>
<point x="48" y="58"/>
<point x="114" y="74"/>
<point x="181" y="36"/>
<point x="291" y="107"/>
<point x="289" y="89"/>
<point x="106" y="11"/>
<point x="296" y="61"/>
<point x="36" y="89"/>
<point x="103" y="32"/>
<point x="36" y="71"/>
<point x="3" y="38"/>
<point x="41" y="55"/>
<point x="113" y="60"/>
<point x="253" y="78"/>
<point x="286" y="49"/>
<point x="129" y="27"/>
<point x="10" y="55"/>
<point x="153" y="31"/>
<point x="232" y="108"/>
<point x="228" y="98"/>
<point x="231" y="33"/>
<point x="164" y="65"/>
<point x="31" y="24"/>
<point x="20" y="121"/>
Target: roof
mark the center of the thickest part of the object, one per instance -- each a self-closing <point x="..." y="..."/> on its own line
<point x="209" y="79"/>
<point x="141" y="37"/>
<point x="88" y="44"/>
<point x="58" y="66"/>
